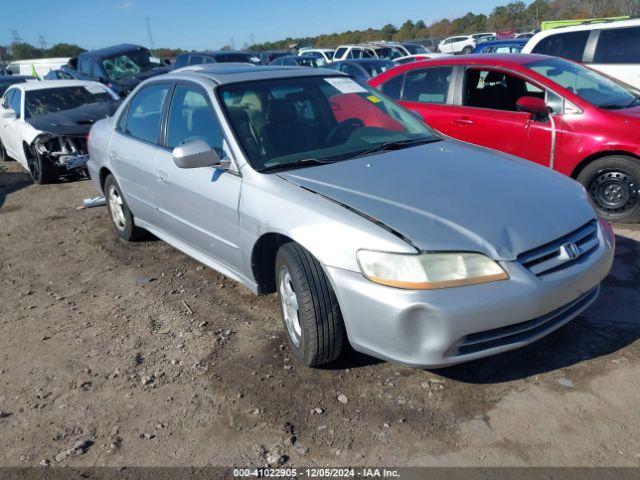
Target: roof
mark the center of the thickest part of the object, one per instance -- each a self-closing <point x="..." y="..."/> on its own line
<point x="219" y="52"/>
<point x="365" y="60"/>
<point x="507" y="41"/>
<point x="487" y="58"/>
<point x="224" y="74"/>
<point x="44" y="84"/>
<point x="116" y="49"/>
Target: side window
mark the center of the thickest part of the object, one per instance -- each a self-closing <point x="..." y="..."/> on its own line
<point x="196" y="60"/>
<point x="15" y="102"/>
<point x="392" y="88"/>
<point x="340" y="52"/>
<point x="566" y="45"/>
<point x="192" y="118"/>
<point x="182" y="60"/>
<point x="618" y="45"/>
<point x="351" y="70"/>
<point x="211" y="60"/>
<point x="429" y="85"/>
<point x="145" y="113"/>
<point x="355" y="53"/>
<point x="6" y="100"/>
<point x="85" y="66"/>
<point x="496" y="90"/>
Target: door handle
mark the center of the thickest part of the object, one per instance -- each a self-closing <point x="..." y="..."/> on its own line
<point x="113" y="155"/>
<point x="162" y="176"/>
<point x="464" y="121"/>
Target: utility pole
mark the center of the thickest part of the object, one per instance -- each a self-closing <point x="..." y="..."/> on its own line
<point x="151" y="44"/>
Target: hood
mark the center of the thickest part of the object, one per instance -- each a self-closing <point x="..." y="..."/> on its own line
<point x="452" y="196"/>
<point x="130" y="83"/>
<point x="76" y="121"/>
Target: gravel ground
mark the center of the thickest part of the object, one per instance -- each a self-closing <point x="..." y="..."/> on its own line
<point x="134" y="354"/>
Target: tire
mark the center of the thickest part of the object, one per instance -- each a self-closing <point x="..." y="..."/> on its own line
<point x="467" y="50"/>
<point x="119" y="213"/>
<point x="42" y="170"/>
<point x="614" y="185"/>
<point x="4" y="157"/>
<point x="319" y="336"/>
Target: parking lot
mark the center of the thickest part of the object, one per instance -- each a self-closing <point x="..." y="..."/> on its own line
<point x="134" y="354"/>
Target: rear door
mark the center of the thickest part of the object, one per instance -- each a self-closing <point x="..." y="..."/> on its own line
<point x="429" y="93"/>
<point x="133" y="149"/>
<point x="198" y="206"/>
<point x="617" y="53"/>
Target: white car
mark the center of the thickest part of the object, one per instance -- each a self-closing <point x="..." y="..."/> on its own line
<point x="612" y="48"/>
<point x="350" y="52"/>
<point x="326" y="53"/>
<point x="44" y="125"/>
<point x="460" y="44"/>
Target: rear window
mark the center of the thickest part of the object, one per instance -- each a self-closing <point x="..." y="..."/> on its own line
<point x="618" y="45"/>
<point x="566" y="45"/>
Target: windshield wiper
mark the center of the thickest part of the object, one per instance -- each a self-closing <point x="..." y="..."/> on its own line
<point x="299" y="163"/>
<point x="397" y="145"/>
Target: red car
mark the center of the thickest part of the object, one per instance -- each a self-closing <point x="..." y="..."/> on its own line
<point x="551" y="111"/>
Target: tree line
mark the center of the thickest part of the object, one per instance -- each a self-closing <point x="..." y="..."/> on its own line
<point x="514" y="15"/>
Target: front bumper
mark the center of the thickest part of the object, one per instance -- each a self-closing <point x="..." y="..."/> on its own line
<point x="437" y="328"/>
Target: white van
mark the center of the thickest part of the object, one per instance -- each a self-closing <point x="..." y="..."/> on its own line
<point x="41" y="65"/>
<point x="610" y="47"/>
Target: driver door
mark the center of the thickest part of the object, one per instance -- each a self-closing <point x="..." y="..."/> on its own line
<point x="198" y="206"/>
<point x="10" y="127"/>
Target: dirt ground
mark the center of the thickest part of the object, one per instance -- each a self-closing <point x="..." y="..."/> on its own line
<point x="134" y="354"/>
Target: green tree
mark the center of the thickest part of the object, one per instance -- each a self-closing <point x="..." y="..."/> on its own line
<point x="63" y="50"/>
<point x="25" y="51"/>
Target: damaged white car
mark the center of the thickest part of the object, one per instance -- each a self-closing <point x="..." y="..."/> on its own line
<point x="44" y="125"/>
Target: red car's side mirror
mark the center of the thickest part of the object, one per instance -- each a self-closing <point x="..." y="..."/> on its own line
<point x="533" y="105"/>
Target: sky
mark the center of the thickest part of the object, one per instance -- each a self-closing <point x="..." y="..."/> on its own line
<point x="210" y="24"/>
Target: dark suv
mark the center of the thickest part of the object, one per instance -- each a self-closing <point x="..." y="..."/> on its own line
<point x="196" y="58"/>
<point x="121" y="67"/>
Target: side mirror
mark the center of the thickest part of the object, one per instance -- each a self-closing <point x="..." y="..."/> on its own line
<point x="8" y="113"/>
<point x="198" y="154"/>
<point x="533" y="105"/>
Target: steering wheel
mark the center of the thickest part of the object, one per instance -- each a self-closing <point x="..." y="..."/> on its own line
<point x="341" y="131"/>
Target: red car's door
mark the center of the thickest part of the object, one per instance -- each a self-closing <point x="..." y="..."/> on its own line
<point x="486" y="115"/>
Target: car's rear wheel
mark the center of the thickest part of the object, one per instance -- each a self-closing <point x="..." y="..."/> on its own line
<point x="42" y="170"/>
<point x="614" y="185"/>
<point x="467" y="50"/>
<point x="309" y="307"/>
<point x="119" y="213"/>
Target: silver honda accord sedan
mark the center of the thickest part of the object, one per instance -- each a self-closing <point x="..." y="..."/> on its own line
<point x="372" y="228"/>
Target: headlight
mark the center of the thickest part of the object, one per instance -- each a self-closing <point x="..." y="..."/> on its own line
<point x="428" y="271"/>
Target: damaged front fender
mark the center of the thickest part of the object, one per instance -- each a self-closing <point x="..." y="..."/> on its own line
<point x="67" y="152"/>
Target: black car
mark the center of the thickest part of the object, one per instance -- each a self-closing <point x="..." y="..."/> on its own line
<point x="271" y="55"/>
<point x="121" y="67"/>
<point x="66" y="72"/>
<point x="364" y="69"/>
<point x="197" y="58"/>
<point x="7" y="80"/>
<point x="299" y="61"/>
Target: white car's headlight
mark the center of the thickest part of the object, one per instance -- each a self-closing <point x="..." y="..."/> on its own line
<point x="426" y="271"/>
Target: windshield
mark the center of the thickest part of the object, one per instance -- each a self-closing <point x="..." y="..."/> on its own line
<point x="387" y="52"/>
<point x="415" y="49"/>
<point x="587" y="84"/>
<point x="50" y="100"/>
<point x="287" y="122"/>
<point x="129" y="64"/>
<point x="239" y="57"/>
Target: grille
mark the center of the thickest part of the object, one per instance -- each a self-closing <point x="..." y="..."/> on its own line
<point x="523" y="331"/>
<point x="563" y="252"/>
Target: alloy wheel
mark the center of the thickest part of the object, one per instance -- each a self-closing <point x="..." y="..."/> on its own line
<point x="289" y="301"/>
<point x="116" y="208"/>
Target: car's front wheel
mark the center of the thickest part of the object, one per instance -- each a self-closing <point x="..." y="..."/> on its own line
<point x="42" y="170"/>
<point x="309" y="307"/>
<point x="4" y="157"/>
<point x="119" y="212"/>
<point x="614" y="185"/>
<point x="467" y="50"/>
